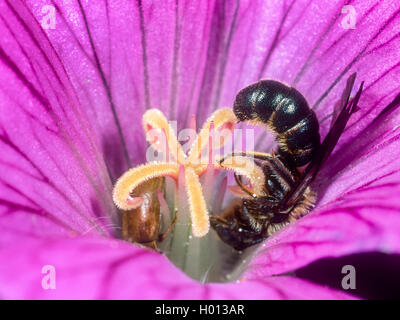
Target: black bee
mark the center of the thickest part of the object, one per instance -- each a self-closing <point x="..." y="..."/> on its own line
<point x="285" y="111"/>
<point x="287" y="195"/>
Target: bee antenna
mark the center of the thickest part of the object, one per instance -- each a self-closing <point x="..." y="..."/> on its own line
<point x="242" y="186"/>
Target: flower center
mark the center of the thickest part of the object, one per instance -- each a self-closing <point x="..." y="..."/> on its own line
<point x="166" y="204"/>
<point x="214" y="134"/>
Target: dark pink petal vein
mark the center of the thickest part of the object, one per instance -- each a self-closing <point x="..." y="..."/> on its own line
<point x="54" y="180"/>
<point x="112" y="269"/>
<point x="70" y="103"/>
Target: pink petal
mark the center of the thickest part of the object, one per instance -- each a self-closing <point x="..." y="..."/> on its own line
<point x="192" y="57"/>
<point x="363" y="214"/>
<point x="124" y="58"/>
<point x="54" y="180"/>
<point x="96" y="268"/>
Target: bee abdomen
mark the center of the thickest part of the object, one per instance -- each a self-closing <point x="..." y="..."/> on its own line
<point x="286" y="112"/>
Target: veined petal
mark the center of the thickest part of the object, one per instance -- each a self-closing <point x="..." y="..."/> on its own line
<point x="364" y="217"/>
<point x="98" y="268"/>
<point x="194" y="56"/>
<point x="127" y="57"/>
<point x="53" y="173"/>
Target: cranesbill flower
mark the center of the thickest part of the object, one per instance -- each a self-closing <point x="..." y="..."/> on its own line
<point x="76" y="77"/>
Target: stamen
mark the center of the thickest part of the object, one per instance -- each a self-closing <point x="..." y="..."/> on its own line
<point x="167" y="149"/>
<point x="245" y="166"/>
<point x="223" y="119"/>
<point x="163" y="203"/>
<point x="198" y="208"/>
<point x="209" y="173"/>
<point x="134" y="202"/>
<point x="193" y="124"/>
<point x="135" y="176"/>
<point x="211" y="141"/>
<point x="186" y="170"/>
<point x="219" y="199"/>
<point x="209" y="176"/>
<point x="154" y="119"/>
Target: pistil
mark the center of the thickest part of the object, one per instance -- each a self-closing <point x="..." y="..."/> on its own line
<point x="215" y="133"/>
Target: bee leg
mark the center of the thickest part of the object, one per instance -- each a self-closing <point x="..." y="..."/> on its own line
<point x="252" y="233"/>
<point x="248" y="220"/>
<point x="242" y="186"/>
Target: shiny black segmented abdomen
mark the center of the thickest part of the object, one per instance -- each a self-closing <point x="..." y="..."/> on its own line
<point x="285" y="111"/>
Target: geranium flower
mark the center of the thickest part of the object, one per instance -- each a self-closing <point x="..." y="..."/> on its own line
<point x="74" y="89"/>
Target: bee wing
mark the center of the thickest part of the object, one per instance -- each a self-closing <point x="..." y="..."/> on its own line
<point x="348" y="107"/>
<point x="344" y="100"/>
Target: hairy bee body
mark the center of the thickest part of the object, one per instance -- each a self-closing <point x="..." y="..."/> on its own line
<point x="286" y="112"/>
<point x="253" y="219"/>
<point x="287" y="195"/>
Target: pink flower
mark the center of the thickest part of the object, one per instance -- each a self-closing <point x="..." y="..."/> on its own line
<point x="71" y="100"/>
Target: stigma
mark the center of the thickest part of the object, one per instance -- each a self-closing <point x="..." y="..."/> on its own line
<point x="186" y="167"/>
